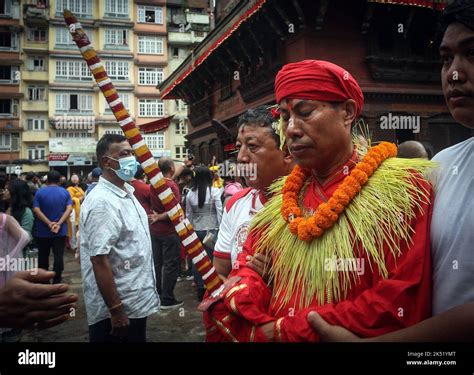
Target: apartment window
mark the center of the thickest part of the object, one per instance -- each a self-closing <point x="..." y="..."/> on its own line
<point x="64" y="134"/>
<point x="36" y="93"/>
<point x="9" y="107"/>
<point x="8" y="41"/>
<point x="63" y="36"/>
<point x="150" y="14"/>
<point x="5" y="106"/>
<point x="35" y="124"/>
<point x="150" y="76"/>
<point x="9" y="141"/>
<point x="73" y="70"/>
<point x="175" y="53"/>
<point x="117" y="70"/>
<point x="116" y="8"/>
<point x="36" y="63"/>
<point x="116" y="37"/>
<point x="74" y="102"/>
<point x="151" y="108"/>
<point x="180" y="152"/>
<point x="9" y="73"/>
<point x="5" y="7"/>
<point x="181" y="127"/>
<point x="155" y="141"/>
<point x="114" y="132"/>
<point x="64" y="39"/>
<point x="125" y="101"/>
<point x="181" y="106"/>
<point x="152" y="45"/>
<point x="80" y="8"/>
<point x="37" y="152"/>
<point x="37" y="35"/>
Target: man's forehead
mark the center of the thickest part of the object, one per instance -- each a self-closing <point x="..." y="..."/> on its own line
<point x="456" y="34"/>
<point x="120" y="147"/>
<point x="247" y="132"/>
<point x="291" y="103"/>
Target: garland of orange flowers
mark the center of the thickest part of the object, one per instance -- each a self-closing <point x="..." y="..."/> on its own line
<point x="327" y="213"/>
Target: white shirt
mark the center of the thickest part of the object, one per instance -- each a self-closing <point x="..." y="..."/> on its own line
<point x="452" y="231"/>
<point x="207" y="217"/>
<point x="235" y="224"/>
<point x="114" y="223"/>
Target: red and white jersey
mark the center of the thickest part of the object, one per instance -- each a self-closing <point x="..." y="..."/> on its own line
<point x="235" y="223"/>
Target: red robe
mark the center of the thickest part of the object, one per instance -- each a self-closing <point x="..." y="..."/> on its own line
<point x="373" y="306"/>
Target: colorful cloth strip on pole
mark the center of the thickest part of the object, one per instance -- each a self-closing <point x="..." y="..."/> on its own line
<point x="182" y="225"/>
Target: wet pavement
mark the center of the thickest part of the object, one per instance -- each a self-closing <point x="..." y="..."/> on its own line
<point x="179" y="325"/>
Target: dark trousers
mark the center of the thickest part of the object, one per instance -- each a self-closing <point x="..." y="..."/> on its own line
<point x="100" y="332"/>
<point x="166" y="254"/>
<point x="45" y="244"/>
<point x="197" y="276"/>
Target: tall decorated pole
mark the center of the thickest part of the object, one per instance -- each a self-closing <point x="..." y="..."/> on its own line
<point x="182" y="225"/>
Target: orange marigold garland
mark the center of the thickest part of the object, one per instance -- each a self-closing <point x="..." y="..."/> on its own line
<point x="328" y="213"/>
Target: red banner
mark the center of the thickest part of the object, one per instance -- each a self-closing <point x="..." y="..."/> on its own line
<point x="58" y="157"/>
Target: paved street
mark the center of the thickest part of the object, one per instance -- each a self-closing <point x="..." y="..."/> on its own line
<point x="180" y="325"/>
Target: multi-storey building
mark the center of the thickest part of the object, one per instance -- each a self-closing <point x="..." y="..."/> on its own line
<point x="52" y="113"/>
<point x="10" y="93"/>
<point x="188" y="25"/>
<point x="34" y="85"/>
<point x="151" y="56"/>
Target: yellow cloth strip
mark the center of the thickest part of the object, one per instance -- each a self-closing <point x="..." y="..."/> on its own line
<point x="204" y="266"/>
<point x="141" y="150"/>
<point x="89" y="54"/>
<point x="132" y="133"/>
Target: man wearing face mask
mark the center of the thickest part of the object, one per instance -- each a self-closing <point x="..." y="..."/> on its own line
<point x="116" y="254"/>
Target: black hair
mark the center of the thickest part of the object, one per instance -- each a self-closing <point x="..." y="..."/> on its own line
<point x="261" y="117"/>
<point x="166" y="165"/>
<point x="429" y="149"/>
<point x="202" y="182"/>
<point x="29" y="176"/>
<point x="186" y="172"/>
<point x="461" y="11"/>
<point x="140" y="173"/>
<point x="69" y="184"/>
<point x="53" y="177"/>
<point x="21" y="198"/>
<point x="3" y="180"/>
<point x="104" y="144"/>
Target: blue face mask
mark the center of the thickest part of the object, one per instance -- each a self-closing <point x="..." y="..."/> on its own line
<point x="128" y="168"/>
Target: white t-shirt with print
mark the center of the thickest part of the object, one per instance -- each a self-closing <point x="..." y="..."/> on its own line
<point x="452" y="232"/>
<point x="234" y="227"/>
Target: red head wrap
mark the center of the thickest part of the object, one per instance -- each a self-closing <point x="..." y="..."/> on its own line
<point x="317" y="80"/>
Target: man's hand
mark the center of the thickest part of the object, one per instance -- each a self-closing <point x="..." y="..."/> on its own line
<point x="330" y="333"/>
<point x="24" y="302"/>
<point x="54" y="227"/>
<point x="153" y="218"/>
<point x="120" y="322"/>
<point x="261" y="264"/>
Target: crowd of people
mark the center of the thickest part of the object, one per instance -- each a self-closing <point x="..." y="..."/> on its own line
<point x="318" y="193"/>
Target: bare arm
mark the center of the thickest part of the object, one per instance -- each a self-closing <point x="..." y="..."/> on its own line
<point x="454" y="325"/>
<point x="106" y="283"/>
<point x="223" y="267"/>
<point x="65" y="215"/>
<point x="105" y="280"/>
<point x="40" y="215"/>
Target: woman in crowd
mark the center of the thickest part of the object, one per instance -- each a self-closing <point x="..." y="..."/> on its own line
<point x="204" y="211"/>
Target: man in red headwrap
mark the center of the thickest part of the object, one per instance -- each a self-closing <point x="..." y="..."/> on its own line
<point x="347" y="231"/>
